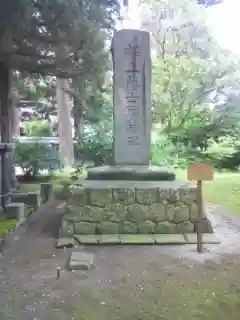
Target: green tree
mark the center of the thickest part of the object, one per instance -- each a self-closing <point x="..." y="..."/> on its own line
<point x="33" y="32"/>
<point x="190" y="72"/>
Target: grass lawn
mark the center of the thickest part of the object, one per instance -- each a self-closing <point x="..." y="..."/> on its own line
<point x="224" y="191"/>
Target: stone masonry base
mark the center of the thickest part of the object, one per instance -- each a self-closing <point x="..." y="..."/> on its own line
<point x="132" y="207"/>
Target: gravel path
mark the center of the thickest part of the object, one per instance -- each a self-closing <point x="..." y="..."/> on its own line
<point x="30" y="290"/>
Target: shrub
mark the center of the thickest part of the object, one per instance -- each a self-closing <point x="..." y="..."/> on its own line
<point x="96" y="146"/>
<point x="38" y="128"/>
<point x="32" y="157"/>
<point x="224" y="153"/>
<point x="163" y="152"/>
<point x="166" y="153"/>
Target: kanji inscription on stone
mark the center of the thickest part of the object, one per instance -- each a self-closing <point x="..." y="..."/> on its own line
<point x="132" y="103"/>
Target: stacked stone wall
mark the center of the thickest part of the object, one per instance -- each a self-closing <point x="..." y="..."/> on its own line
<point x="132" y="211"/>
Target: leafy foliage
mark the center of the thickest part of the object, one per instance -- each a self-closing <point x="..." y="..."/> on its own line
<point x="96" y="146"/>
<point x="52" y="36"/>
<point x="195" y="87"/>
<point x="32" y="157"/>
<point x="38" y="128"/>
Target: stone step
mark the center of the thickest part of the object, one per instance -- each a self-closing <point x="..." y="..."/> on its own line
<point x="143" y="239"/>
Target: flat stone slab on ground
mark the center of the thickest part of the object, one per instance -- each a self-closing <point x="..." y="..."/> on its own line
<point x="81" y="261"/>
<point x="87" y="239"/>
<point x="110" y="239"/>
<point x="65" y="243"/>
<point x="170" y="239"/>
<point x="137" y="239"/>
<point x="208" y="238"/>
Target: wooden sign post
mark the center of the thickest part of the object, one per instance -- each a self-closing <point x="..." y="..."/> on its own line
<point x="200" y="172"/>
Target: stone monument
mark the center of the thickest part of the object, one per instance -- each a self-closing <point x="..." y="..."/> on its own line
<point x="132" y="111"/>
<point x="132" y="97"/>
<point x="131" y="196"/>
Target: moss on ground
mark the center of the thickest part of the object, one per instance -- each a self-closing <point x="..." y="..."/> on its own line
<point x="6" y="226"/>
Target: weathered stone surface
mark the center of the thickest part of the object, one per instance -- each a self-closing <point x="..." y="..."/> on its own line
<point x="115" y="212"/>
<point x="185" y="227"/>
<point x="166" y="227"/>
<point x="125" y="195"/>
<point x="146" y="227"/>
<point x="74" y="215"/>
<point x="15" y="211"/>
<point x="170" y="195"/>
<point x="146" y="196"/>
<point x="180" y="212"/>
<point x="81" y="261"/>
<point x="157" y="212"/>
<point x="100" y="197"/>
<point x="171" y="239"/>
<point x="91" y="214"/>
<point x="193" y="212"/>
<point x="112" y="210"/>
<point x="137" y="239"/>
<point x="109" y="239"/>
<point x="85" y="228"/>
<point x="66" y="228"/>
<point x="137" y="212"/>
<point x="204" y="226"/>
<point x="108" y="227"/>
<point x="130" y="173"/>
<point x="65" y="243"/>
<point x="78" y="195"/>
<point x="188" y="195"/>
<point x="87" y="239"/>
<point x="46" y="189"/>
<point x="129" y="227"/>
<point x="29" y="198"/>
<point x="131" y="143"/>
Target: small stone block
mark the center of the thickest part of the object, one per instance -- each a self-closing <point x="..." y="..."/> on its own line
<point x="30" y="198"/>
<point x="137" y="239"/>
<point x="208" y="238"/>
<point x="15" y="211"/>
<point x="45" y="191"/>
<point x="171" y="239"/>
<point x="110" y="239"/>
<point x="87" y="239"/>
<point x="65" y="243"/>
<point x="81" y="261"/>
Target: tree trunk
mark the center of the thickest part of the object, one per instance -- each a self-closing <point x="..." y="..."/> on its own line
<point x="8" y="175"/>
<point x="78" y="118"/>
<point x="5" y="119"/>
<point x="64" y="124"/>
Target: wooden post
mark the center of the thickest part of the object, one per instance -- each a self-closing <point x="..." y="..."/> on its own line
<point x="200" y="216"/>
<point x="200" y="172"/>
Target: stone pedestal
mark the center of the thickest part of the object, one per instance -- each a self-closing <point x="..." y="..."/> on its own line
<point x="132" y="207"/>
<point x="131" y="173"/>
